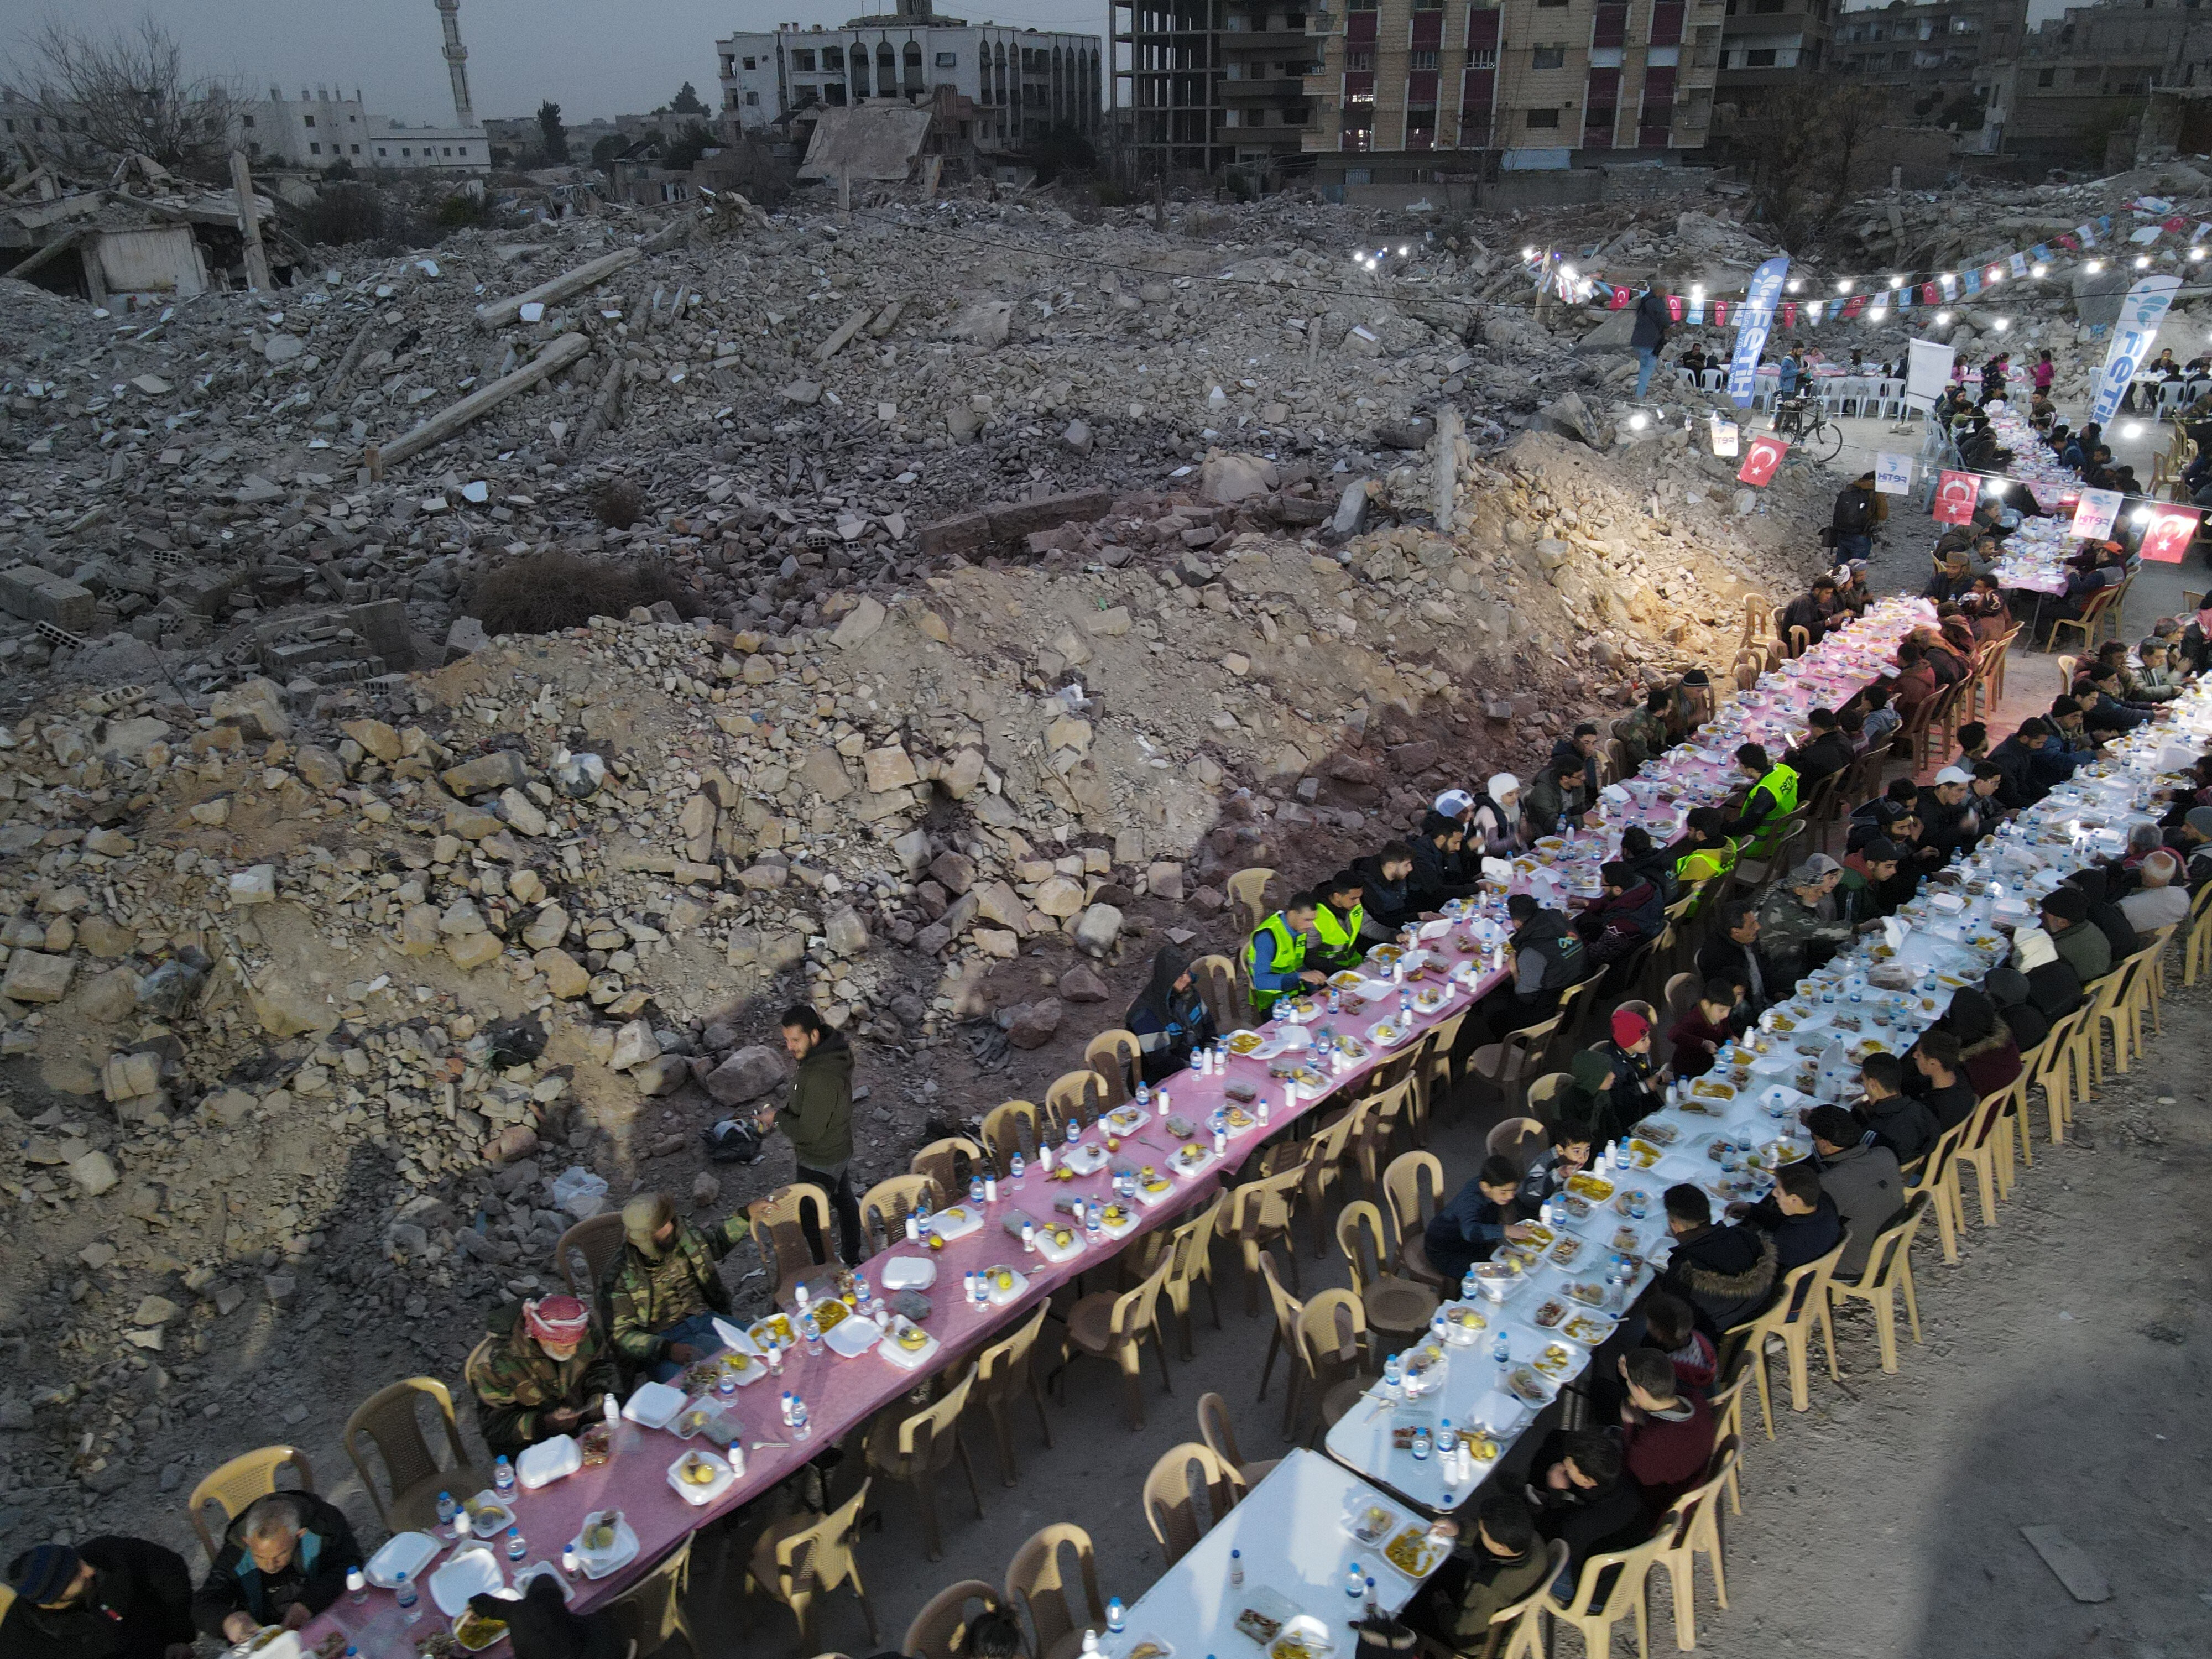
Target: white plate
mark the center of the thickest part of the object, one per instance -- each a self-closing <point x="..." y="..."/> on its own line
<point x="285" y="1644"/>
<point x="1190" y="1168"/>
<point x="543" y="1464"/>
<point x="700" y="1497"/>
<point x="998" y="1298"/>
<point x="1126" y="1120"/>
<point x="541" y="1568"/>
<point x="735" y="1340"/>
<point x="956" y="1221"/>
<point x="1056" y="1253"/>
<point x="853" y="1337"/>
<point x="905" y="1358"/>
<point x="493" y="1518"/>
<point x="472" y="1570"/>
<point x="410" y="1552"/>
<point x="654" y="1405"/>
<point x="1388" y="1033"/>
<point x="597" y="1564"/>
<point x="909" y="1273"/>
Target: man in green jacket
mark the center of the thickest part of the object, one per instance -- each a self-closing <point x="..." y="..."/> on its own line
<point x="666" y="1288"/>
<point x="817" y="1115"/>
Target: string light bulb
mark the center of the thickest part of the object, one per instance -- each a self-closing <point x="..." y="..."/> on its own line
<point x="2132" y="429"/>
<point x="1793" y="284"/>
<point x="2143" y="262"/>
<point x="2093" y="266"/>
<point x="2038" y="270"/>
<point x="1843" y="285"/>
<point x="1942" y="317"/>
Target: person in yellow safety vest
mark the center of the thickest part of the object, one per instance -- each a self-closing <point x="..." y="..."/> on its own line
<point x="1773" y="798"/>
<point x="1275" y="955"/>
<point x="1703" y="851"/>
<point x="1337" y="920"/>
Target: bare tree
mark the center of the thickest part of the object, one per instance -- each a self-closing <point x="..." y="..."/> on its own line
<point x="1809" y="148"/>
<point x="128" y="94"/>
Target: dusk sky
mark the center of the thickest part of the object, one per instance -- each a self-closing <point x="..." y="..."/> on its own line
<point x="592" y="59"/>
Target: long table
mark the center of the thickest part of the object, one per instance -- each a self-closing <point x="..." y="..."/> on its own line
<point x="1466" y="963"/>
<point x="1883" y="993"/>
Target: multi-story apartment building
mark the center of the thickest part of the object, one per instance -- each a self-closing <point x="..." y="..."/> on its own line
<point x="2080" y="79"/>
<point x="1766" y="44"/>
<point x="1524" y="84"/>
<point x="1928" y="53"/>
<point x="1023" y="81"/>
<point x="1208" y="83"/>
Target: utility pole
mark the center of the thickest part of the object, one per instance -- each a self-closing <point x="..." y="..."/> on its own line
<point x="249" y="223"/>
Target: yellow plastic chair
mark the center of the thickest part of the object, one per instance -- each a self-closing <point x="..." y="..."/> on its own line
<point x="1520" y="1627"/>
<point x="1119" y="1059"/>
<point x="1283" y="1340"/>
<point x="1012" y="1127"/>
<point x="1080" y="1097"/>
<point x="1004" y="1370"/>
<point x="1333" y="1344"/>
<point x="237" y="1483"/>
<point x="1693" y="1528"/>
<point x="1259" y="1215"/>
<point x="2197" y="947"/>
<point x="1189" y="1490"/>
<point x="1394" y="1307"/>
<point x="1727" y="1402"/>
<point x="1938" y="1177"/>
<point x="1593" y="1618"/>
<point x="1036" y="1583"/>
<point x="885" y="1206"/>
<point x="939" y="1631"/>
<point x="1220" y="1435"/>
<point x="1986" y="1149"/>
<point x="918" y="1448"/>
<point x="1434" y="1075"/>
<point x="651" y="1612"/>
<point x="1215" y="976"/>
<point x="407" y="1499"/>
<point x="1380" y="1114"/>
<point x="1190" y="1260"/>
<point x="1521" y="1138"/>
<point x="587" y="1253"/>
<point x="1888" y="1274"/>
<point x="1413" y="1186"/>
<point x="1321" y="1161"/>
<point x="1248" y="892"/>
<point x="949" y="1162"/>
<point x="804" y="1556"/>
<point x="1799" y="1305"/>
<point x="1502" y="1066"/>
<point x="780" y="1230"/>
<point x="1109" y="1326"/>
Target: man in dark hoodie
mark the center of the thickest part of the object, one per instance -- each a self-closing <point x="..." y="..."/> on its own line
<point x="2019" y="784"/>
<point x="1435" y="877"/>
<point x="1583" y="1496"/>
<point x="1626" y="913"/>
<point x="1734" y="954"/>
<point x="1652" y="862"/>
<point x="817" y="1113"/>
<point x="1563" y="791"/>
<point x="1802" y="1220"/>
<point x="1825" y="751"/>
<point x="1867" y="890"/>
<point x="1860" y="1175"/>
<point x="1896" y="1119"/>
<point x="1546" y="958"/>
<point x="1386" y="888"/>
<point x="110" y="1597"/>
<point x="1170" y="1019"/>
<point x="282" y="1561"/>
<point x="1726" y="1273"/>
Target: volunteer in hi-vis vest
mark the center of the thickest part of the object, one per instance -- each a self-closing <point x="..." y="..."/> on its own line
<point x="1773" y="798"/>
<point x="1275" y="955"/>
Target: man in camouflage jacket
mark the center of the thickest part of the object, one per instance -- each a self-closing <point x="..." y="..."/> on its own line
<point x="542" y="1372"/>
<point x="668" y="1285"/>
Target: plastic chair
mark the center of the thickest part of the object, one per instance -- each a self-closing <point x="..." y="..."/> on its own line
<point x="1248" y="890"/>
<point x="918" y="1448"/>
<point x="1119" y="1059"/>
<point x="1220" y="1435"/>
<point x="1693" y="1528"/>
<point x="1502" y="1066"/>
<point x="587" y="1253"/>
<point x="1037" y="1585"/>
<point x="1394" y="1306"/>
<point x="1004" y="1370"/>
<point x="1986" y="1149"/>
<point x="1259" y="1215"/>
<point x="1321" y="1161"/>
<point x="1593" y="1617"/>
<point x="1379" y="1116"/>
<point x="237" y="1483"/>
<point x="1012" y="1127"/>
<point x="1888" y="1273"/>
<point x="1521" y="1138"/>
<point x="1190" y="1258"/>
<point x="412" y="1474"/>
<point x="1726" y="1401"/>
<point x="1541" y="1094"/>
<point x="885" y="1206"/>
<point x="2091" y="623"/>
<point x="1079" y="1098"/>
<point x="2197" y="947"/>
<point x="1798" y="1306"/>
<point x="1938" y="1177"/>
<point x="1283" y="1340"/>
<point x="1189" y="1490"/>
<point x="1109" y="1326"/>
<point x="1215" y="976"/>
<point x="939" y="1631"/>
<point x="651" y="1612"/>
<point x="1413" y="1187"/>
<point x="778" y="1229"/>
<point x="1520" y="1627"/>
<point x="801" y="1557"/>
<point x="1334" y="1349"/>
<point x="948" y="1162"/>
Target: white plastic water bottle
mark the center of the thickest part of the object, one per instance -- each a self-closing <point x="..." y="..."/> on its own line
<point x="810" y="1328"/>
<point x="1355" y="1582"/>
<point x="800" y="1429"/>
<point x="516" y="1547"/>
<point x="408" y="1596"/>
<point x="1115" y="1615"/>
<point x="1236" y="1569"/>
<point x="502" y="1476"/>
<point x="357" y="1586"/>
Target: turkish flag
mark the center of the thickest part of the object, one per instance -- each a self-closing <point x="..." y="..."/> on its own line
<point x="1676" y="306"/>
<point x="1955" y="495"/>
<point x="1788" y="313"/>
<point x="1760" y="460"/>
<point x="1620" y="298"/>
<point x="2170" y="531"/>
<point x="1930" y="294"/>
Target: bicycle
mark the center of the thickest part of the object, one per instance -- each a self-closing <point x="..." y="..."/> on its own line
<point x="1818" y="437"/>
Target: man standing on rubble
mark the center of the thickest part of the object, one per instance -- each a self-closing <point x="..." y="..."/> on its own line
<point x="1652" y="322"/>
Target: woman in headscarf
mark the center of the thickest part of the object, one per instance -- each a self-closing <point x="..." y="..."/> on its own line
<point x="1495" y="829"/>
<point x="1169" y="1018"/>
<point x="1987" y="1053"/>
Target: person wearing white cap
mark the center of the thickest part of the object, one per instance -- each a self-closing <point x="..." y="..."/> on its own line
<point x="1465" y="864"/>
<point x="1495" y="829"/>
<point x="1947" y="820"/>
<point x="1798" y="923"/>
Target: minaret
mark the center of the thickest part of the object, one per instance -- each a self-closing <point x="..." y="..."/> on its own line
<point x="457" y="60"/>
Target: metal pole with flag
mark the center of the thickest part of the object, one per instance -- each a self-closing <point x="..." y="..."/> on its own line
<point x="2134" y="332"/>
<point x="1758" y="318"/>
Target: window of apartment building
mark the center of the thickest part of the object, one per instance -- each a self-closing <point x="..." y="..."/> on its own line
<point x="802" y="60"/>
<point x="1550" y="2"/>
<point x="1759" y="57"/>
<point x="309" y="120"/>
<point x="2045" y="77"/>
<point x="1482" y="58"/>
<point x="1764" y="6"/>
<point x="243" y="120"/>
<point x="1543" y="117"/>
<point x="405" y="153"/>
<point x="1428" y="5"/>
<point x="356" y="150"/>
<point x="1548" y="58"/>
<point x="1359" y="57"/>
<point x="1421" y="60"/>
<point x="314" y="150"/>
<point x="749" y="63"/>
<point x="833" y="59"/>
<point x="729" y="67"/>
<point x="948" y="60"/>
<point x="2088" y="77"/>
<point x="752" y="98"/>
<point x="381" y="150"/>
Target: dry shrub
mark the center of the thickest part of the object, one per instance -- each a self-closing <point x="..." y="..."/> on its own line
<point x="618" y="505"/>
<point x="545" y="592"/>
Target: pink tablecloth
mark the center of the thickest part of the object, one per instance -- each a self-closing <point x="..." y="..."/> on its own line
<point x="842" y="1395"/>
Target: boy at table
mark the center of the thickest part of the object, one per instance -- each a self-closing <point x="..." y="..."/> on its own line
<point x="1698" y="1036"/>
<point x="1666" y="1430"/>
<point x="1569" y="1155"/>
<point x="1583" y="1496"/>
<point x="1485" y="1574"/>
<point x="1467" y="1230"/>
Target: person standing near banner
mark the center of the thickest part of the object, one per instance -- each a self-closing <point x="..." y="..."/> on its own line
<point x="1649" y="333"/>
<point x="1858" y="510"/>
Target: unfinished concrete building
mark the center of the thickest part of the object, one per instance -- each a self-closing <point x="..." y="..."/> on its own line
<point x="1201" y="84"/>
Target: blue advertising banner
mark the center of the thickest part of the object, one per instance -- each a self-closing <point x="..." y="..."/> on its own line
<point x="1758" y="318"/>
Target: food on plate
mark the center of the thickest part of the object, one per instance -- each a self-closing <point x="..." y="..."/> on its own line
<point x="1706" y="1089"/>
<point x="1551" y="1314"/>
<point x="1428" y="999"/>
<point x="1536" y="1233"/>
<point x="775" y="1325"/>
<point x="1244" y="1043"/>
<point x="1002" y="1279"/>
<point x="1115" y="1215"/>
<point x="1577" y="1209"/>
<point x="1468" y="1319"/>
<point x="593" y="1442"/>
<point x="1150" y="1649"/>
<point x="1658" y="1132"/>
<point x="1062" y="1236"/>
<point x="1626" y="1238"/>
<point x="599" y="1531"/>
<point x="1595" y="1187"/>
<point x="829" y="1313"/>
<point x="332" y="1645"/>
<point x="1555" y="1359"/>
<point x="694" y="1419"/>
<point x="1527" y="1387"/>
<point x="475" y="1633"/>
<point x="1370" y="1523"/>
<point x="1385" y="956"/>
<point x="1238" y="1119"/>
<point x="1783" y="1021"/>
<point x="438" y="1644"/>
<point x="1412" y="1552"/>
<point x="1192" y="1156"/>
<point x="912" y="1338"/>
<point x="1583" y="1290"/>
<point x="1386" y="1033"/>
<point x="1346" y="979"/>
<point x="1642" y="1153"/>
<point x="1588" y="1331"/>
<point x="1564" y="1252"/>
<point x="1257" y="1625"/>
<point x="696" y="1471"/>
<point x="1153" y="1180"/>
<point x="1479" y="1445"/>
